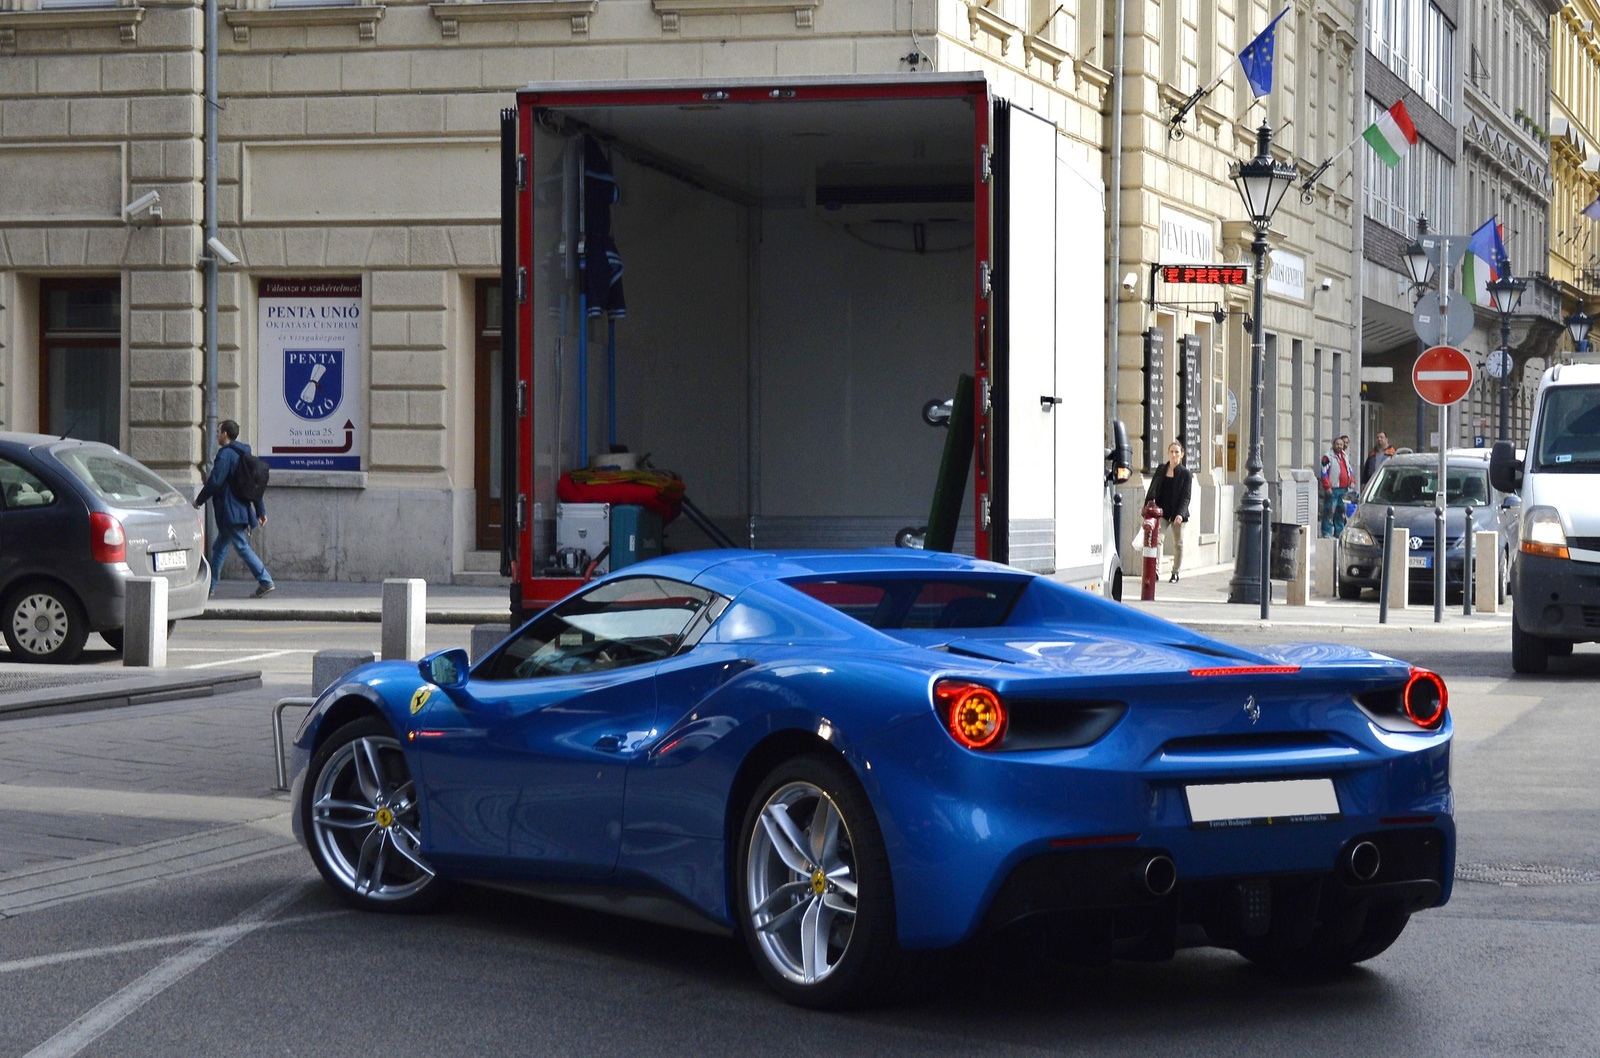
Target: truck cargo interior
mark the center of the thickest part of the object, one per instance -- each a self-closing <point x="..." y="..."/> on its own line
<point x="796" y="283"/>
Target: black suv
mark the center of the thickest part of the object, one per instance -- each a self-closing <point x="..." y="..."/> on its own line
<point x="77" y="519"/>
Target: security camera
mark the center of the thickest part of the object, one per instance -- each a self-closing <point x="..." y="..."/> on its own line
<point x="223" y="254"/>
<point x="1327" y="282"/>
<point x="149" y="202"/>
<point x="1130" y="282"/>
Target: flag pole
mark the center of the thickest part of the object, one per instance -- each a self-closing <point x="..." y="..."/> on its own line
<point x="1316" y="174"/>
<point x="1175" y="125"/>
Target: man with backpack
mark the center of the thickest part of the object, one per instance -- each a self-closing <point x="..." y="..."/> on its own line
<point x="235" y="487"/>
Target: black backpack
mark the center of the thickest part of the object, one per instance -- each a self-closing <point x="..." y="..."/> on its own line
<point x="249" y="479"/>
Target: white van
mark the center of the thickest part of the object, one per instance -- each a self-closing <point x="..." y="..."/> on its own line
<point x="1555" y="573"/>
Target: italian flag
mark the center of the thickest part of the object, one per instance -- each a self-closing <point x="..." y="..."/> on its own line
<point x="1392" y="134"/>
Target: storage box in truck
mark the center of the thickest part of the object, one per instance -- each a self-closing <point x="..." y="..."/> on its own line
<point x="754" y="288"/>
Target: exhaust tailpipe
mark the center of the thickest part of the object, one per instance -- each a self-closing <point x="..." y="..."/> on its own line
<point x="1158" y="875"/>
<point x="1364" y="861"/>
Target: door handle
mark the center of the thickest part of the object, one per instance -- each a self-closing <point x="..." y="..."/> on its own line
<point x="1047" y="403"/>
<point x="608" y="743"/>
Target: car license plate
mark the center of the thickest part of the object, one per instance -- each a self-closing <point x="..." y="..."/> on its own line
<point x="166" y="561"/>
<point x="1242" y="804"/>
<point x="1420" y="561"/>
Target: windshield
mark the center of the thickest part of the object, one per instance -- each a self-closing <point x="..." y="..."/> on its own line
<point x="1569" y="429"/>
<point x="115" y="478"/>
<point x="918" y="602"/>
<point x="1414" y="486"/>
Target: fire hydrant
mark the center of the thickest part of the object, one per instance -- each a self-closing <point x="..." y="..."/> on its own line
<point x="1152" y="552"/>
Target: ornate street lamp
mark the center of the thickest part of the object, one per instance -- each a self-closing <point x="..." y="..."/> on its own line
<point x="1578" y="326"/>
<point x="1416" y="260"/>
<point x="1262" y="182"/>
<point x="1506" y="293"/>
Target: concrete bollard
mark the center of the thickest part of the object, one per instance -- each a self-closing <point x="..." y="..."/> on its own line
<point x="1298" y="590"/>
<point x="405" y="615"/>
<point x="1486" y="572"/>
<point x="328" y="666"/>
<point x="1324" y="562"/>
<point x="1399" y="588"/>
<point x="144" y="622"/>
<point x="485" y="638"/>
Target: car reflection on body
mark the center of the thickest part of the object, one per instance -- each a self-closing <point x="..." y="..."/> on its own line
<point x="1407" y="483"/>
<point x="844" y="757"/>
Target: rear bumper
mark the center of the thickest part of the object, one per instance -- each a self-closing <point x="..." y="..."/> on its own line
<point x="1558" y="598"/>
<point x="104" y="590"/>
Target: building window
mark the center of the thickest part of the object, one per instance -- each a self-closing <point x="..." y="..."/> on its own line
<point x="1416" y="41"/>
<point x="1421" y="184"/>
<point x="80" y="359"/>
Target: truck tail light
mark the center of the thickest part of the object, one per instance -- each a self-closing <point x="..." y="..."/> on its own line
<point x="973" y="714"/>
<point x="107" y="541"/>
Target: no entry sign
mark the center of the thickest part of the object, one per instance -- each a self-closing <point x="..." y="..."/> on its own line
<point x="1442" y="375"/>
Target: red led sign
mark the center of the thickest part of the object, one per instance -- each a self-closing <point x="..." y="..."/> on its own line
<point x="1227" y="275"/>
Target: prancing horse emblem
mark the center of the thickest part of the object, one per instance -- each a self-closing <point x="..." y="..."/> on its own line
<point x="1251" y="709"/>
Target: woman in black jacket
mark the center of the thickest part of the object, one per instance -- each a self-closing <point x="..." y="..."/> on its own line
<point x="1169" y="490"/>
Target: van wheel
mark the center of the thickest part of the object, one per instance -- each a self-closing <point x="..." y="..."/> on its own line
<point x="1530" y="654"/>
<point x="43" y="623"/>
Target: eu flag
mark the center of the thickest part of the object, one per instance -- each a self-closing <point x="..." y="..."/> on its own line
<point x="1256" y="58"/>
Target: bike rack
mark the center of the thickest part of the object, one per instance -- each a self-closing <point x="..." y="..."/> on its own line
<point x="277" y="735"/>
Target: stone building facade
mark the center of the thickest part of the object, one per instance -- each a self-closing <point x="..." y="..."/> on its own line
<point x="359" y="144"/>
<point x="1574" y="130"/>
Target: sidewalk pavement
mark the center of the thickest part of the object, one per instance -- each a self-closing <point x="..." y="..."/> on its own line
<point x="346" y="601"/>
<point x="37" y="690"/>
<point x="1199" y="601"/>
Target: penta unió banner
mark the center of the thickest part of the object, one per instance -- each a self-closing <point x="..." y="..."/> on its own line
<point x="309" y="342"/>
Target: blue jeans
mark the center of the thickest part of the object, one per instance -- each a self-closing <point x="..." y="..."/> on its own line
<point x="234" y="536"/>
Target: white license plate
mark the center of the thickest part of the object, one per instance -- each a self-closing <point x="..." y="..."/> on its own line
<point x="166" y="561"/>
<point x="1240" y="804"/>
<point x="1420" y="561"/>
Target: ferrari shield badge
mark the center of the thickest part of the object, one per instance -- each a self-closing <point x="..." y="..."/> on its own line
<point x="420" y="699"/>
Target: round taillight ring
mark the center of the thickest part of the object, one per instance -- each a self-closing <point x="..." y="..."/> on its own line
<point x="1425" y="698"/>
<point x="974" y="714"/>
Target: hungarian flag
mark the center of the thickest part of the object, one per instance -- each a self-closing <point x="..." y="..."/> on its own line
<point x="1485" y="261"/>
<point x="1392" y="134"/>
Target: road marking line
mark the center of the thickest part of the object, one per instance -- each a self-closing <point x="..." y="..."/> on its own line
<point x="242" y="660"/>
<point x="106" y="1015"/>
<point x="38" y="961"/>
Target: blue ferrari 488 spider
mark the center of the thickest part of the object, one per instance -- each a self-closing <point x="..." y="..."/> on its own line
<point x="844" y="757"/>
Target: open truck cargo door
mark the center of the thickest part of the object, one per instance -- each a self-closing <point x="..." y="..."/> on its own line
<point x="808" y="262"/>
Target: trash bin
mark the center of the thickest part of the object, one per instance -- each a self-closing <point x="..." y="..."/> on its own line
<point x="1285" y="547"/>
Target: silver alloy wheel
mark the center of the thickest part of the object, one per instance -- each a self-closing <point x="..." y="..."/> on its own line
<point x="801" y="884"/>
<point x="40" y="623"/>
<point x="364" y="820"/>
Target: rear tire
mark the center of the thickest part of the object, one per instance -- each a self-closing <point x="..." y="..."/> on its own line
<point x="1530" y="654"/>
<point x="1347" y="591"/>
<point x="43" y="623"/>
<point x="816" y="943"/>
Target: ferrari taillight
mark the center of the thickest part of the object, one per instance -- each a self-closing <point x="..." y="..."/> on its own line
<point x="973" y="714"/>
<point x="1425" y="698"/>
<point x="107" y="541"/>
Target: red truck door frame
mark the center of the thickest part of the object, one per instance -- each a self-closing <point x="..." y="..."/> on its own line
<point x="530" y="593"/>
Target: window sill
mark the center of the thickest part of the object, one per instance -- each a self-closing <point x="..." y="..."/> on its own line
<point x="125" y="19"/>
<point x="981" y="19"/>
<point x="364" y="17"/>
<point x="1034" y="47"/>
<point x="673" y="10"/>
<point x="454" y="12"/>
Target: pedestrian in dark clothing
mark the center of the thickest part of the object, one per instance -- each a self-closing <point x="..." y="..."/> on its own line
<point x="1170" y="490"/>
<point x="234" y="516"/>
<point x="1376" y="458"/>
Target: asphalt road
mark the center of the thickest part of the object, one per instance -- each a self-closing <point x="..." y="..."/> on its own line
<point x="207" y="952"/>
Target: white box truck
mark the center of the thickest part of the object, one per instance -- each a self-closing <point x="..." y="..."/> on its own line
<point x="760" y="284"/>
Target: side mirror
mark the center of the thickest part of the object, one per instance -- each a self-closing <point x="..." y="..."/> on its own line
<point x="446" y="669"/>
<point x="1505" y="469"/>
<point x="1511" y="502"/>
<point x="1120" y="454"/>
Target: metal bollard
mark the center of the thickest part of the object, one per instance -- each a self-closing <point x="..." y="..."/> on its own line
<point x="1266" y="557"/>
<point x="1441" y="562"/>
<point x="405" y="613"/>
<point x="1466" y="566"/>
<point x="144" y="622"/>
<point x="1388" y="565"/>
